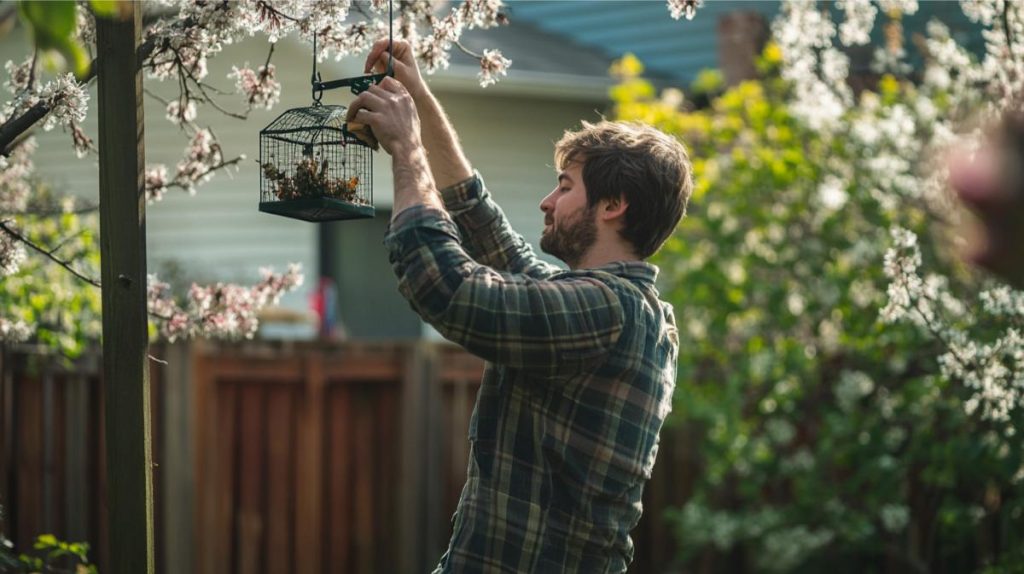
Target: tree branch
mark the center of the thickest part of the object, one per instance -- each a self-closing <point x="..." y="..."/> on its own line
<point x="65" y="264"/>
<point x="212" y="169"/>
<point x="1006" y="27"/>
<point x="458" y="44"/>
<point x="14" y="127"/>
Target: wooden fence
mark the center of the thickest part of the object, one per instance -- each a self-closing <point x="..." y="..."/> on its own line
<point x="273" y="457"/>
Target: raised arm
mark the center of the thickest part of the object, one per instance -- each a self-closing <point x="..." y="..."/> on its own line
<point x="444" y="153"/>
<point x="486" y="233"/>
<point x="550" y="326"/>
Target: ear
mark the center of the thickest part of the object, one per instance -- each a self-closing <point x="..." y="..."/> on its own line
<point x="613" y="209"/>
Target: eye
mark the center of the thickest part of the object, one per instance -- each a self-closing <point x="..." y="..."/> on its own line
<point x="564" y="189"/>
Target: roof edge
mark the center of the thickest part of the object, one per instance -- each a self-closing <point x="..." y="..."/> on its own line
<point x="525" y="83"/>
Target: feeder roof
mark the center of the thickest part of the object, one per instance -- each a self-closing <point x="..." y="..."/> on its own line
<point x="306" y="124"/>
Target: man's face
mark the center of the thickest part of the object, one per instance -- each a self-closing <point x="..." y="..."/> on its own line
<point x="569" y="225"/>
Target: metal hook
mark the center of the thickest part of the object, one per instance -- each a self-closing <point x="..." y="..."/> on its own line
<point x="318" y="92"/>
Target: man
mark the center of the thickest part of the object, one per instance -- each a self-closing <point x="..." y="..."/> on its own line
<point x="581" y="363"/>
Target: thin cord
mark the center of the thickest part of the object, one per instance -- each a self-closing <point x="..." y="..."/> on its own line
<point x="391" y="39"/>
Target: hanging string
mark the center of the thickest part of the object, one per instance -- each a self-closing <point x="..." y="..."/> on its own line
<point x="391" y="40"/>
<point x="359" y="84"/>
<point x="317" y="94"/>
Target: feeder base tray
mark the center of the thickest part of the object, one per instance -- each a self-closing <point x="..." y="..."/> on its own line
<point x="317" y="209"/>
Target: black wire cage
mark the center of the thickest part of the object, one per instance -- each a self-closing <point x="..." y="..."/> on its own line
<point x="313" y="168"/>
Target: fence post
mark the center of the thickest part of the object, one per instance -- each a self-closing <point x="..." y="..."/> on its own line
<point x="420" y="465"/>
<point x="309" y="518"/>
<point x="177" y="466"/>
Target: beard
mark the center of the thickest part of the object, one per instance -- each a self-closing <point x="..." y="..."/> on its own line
<point x="571" y="241"/>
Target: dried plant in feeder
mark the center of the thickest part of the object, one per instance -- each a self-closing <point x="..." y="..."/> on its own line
<point x="313" y="168"/>
<point x="313" y="165"/>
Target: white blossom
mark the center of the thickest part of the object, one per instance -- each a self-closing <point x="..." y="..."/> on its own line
<point x="894" y="517"/>
<point x="12" y="253"/>
<point x="860" y="18"/>
<point x="832" y="193"/>
<point x="260" y="88"/>
<point x="852" y="387"/>
<point x="14" y="177"/>
<point x="981" y="11"/>
<point x="684" y="8"/>
<point x="493" y="64"/>
<point x="907" y="7"/>
<point x="1003" y="301"/>
<point x="14" y="331"/>
<point x="178" y="114"/>
<point x="67" y="100"/>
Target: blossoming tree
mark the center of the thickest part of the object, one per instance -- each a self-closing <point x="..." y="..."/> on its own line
<point x="176" y="46"/>
<point x="855" y="388"/>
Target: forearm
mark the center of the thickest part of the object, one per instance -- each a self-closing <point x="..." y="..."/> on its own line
<point x="444" y="153"/>
<point x="413" y="182"/>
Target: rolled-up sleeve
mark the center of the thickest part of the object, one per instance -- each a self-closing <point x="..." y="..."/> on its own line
<point x="487" y="234"/>
<point x="510" y="318"/>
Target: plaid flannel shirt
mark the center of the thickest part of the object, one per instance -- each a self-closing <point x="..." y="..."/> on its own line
<point x="579" y="377"/>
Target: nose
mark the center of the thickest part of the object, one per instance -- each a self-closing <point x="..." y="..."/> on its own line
<point x="547" y="205"/>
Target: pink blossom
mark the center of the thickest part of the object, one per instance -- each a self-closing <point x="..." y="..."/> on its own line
<point x="17" y="75"/>
<point x="260" y="88"/>
<point x="156" y="182"/>
<point x="201" y="156"/>
<point x="178" y="114"/>
<point x="483" y="13"/>
<point x="220" y="310"/>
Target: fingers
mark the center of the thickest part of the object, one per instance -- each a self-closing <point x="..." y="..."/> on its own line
<point x="389" y="85"/>
<point x="367" y="101"/>
<point x="378" y="55"/>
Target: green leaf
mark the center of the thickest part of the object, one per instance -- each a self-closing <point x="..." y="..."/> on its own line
<point x="45" y="541"/>
<point x="104" y="8"/>
<point x="49" y="19"/>
<point x="53" y="29"/>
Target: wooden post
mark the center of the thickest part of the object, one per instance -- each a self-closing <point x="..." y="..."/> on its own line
<point x="123" y="263"/>
<point x="742" y="35"/>
<point x="177" y="492"/>
<point x="418" y="535"/>
<point x="309" y="519"/>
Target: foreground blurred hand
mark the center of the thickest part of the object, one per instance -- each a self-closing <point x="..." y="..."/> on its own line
<point x="991" y="184"/>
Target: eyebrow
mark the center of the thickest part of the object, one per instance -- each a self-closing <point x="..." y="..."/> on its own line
<point x="564" y="175"/>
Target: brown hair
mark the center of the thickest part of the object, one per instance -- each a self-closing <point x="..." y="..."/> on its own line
<point x="643" y="165"/>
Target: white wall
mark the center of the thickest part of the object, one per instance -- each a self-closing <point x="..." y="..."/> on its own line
<point x="220" y="235"/>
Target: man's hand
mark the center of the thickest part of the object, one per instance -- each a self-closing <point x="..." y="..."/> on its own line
<point x="448" y="164"/>
<point x="390" y="112"/>
<point x="405" y="68"/>
<point x="991" y="184"/>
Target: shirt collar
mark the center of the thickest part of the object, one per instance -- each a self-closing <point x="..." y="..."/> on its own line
<point x="637" y="271"/>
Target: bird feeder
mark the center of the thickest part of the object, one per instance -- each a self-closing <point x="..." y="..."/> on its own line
<point x="313" y="165"/>
<point x="313" y="168"/>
